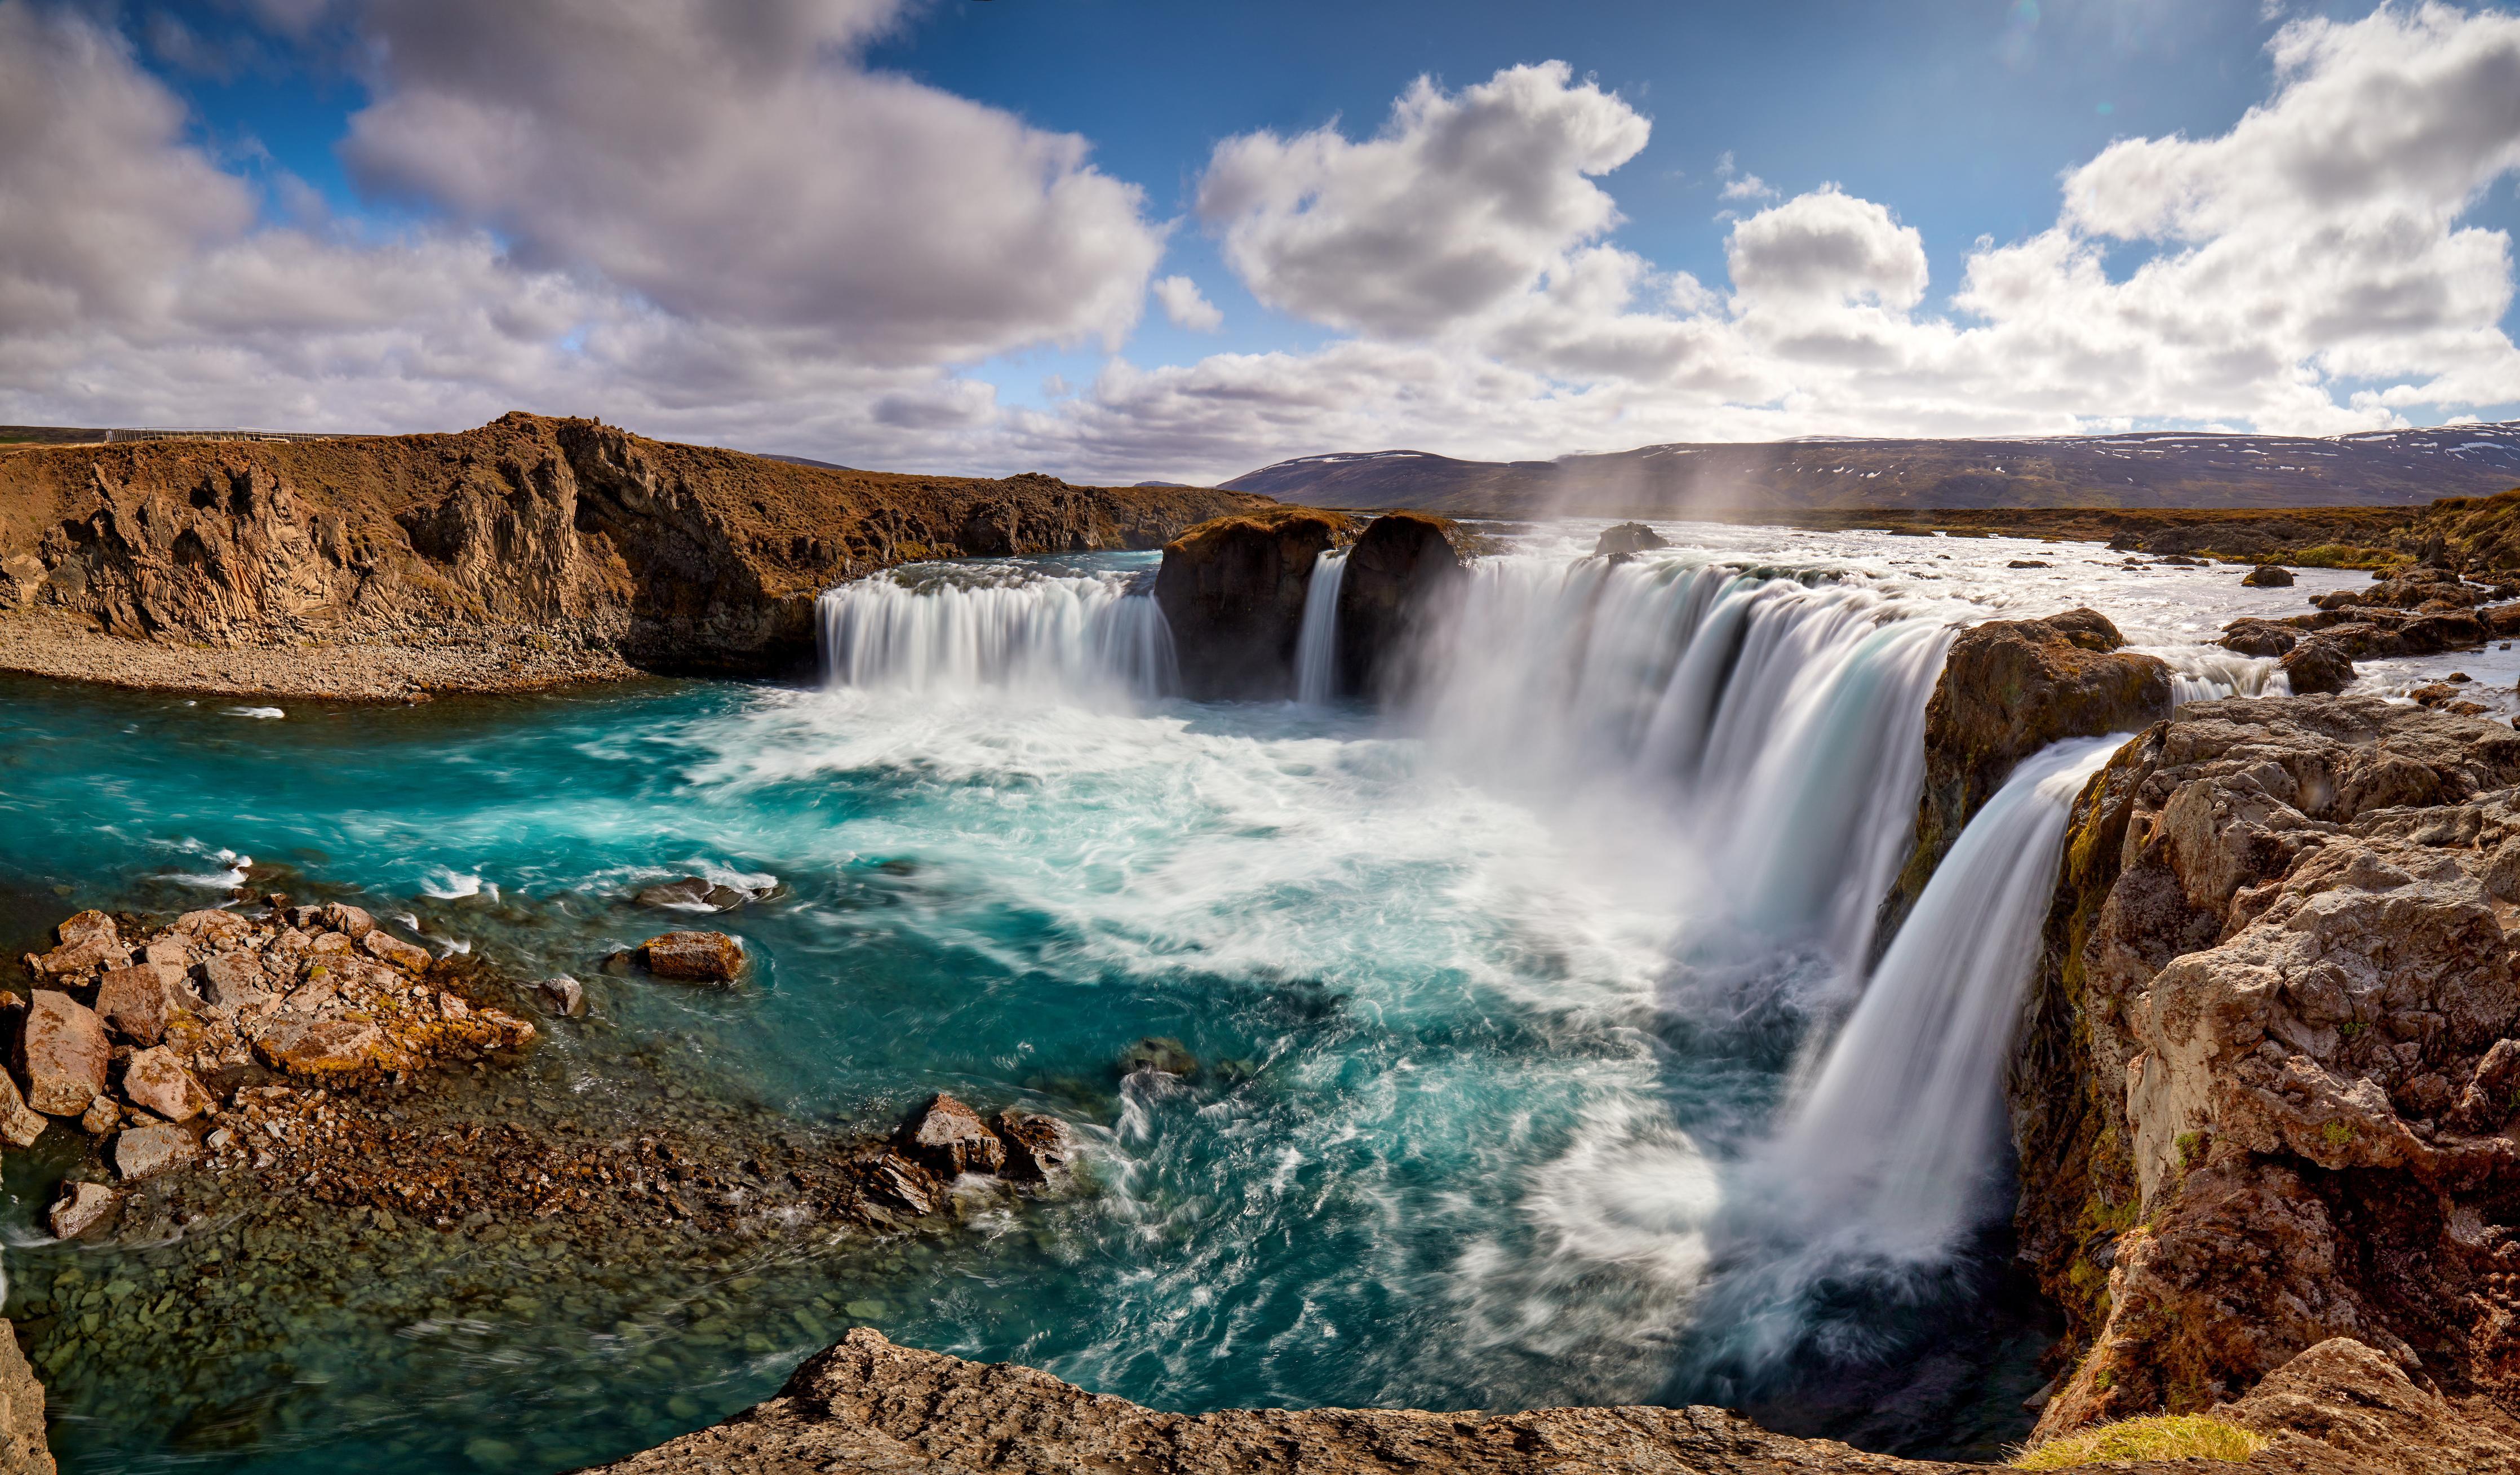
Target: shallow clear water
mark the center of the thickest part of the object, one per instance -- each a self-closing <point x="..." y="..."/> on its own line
<point x="1490" y="996"/>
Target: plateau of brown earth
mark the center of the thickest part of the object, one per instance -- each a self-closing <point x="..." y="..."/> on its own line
<point x="528" y="553"/>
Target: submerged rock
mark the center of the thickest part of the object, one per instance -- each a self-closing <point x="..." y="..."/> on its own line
<point x="1162" y="1054"/>
<point x="565" y="994"/>
<point x="699" y="894"/>
<point x="697" y="957"/>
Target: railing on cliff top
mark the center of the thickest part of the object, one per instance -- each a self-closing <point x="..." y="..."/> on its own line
<point x="152" y="434"/>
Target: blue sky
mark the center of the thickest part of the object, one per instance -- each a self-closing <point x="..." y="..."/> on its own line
<point x="1902" y="143"/>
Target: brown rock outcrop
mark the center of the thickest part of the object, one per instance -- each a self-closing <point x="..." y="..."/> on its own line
<point x="2316" y="666"/>
<point x="22" y="1413"/>
<point x="551" y="549"/>
<point x="2261" y="1098"/>
<point x="2009" y="688"/>
<point x="697" y="957"/>
<point x="1232" y="590"/>
<point x="949" y="1138"/>
<point x="62" y="1054"/>
<point x="1403" y="570"/>
<point x="2269" y="576"/>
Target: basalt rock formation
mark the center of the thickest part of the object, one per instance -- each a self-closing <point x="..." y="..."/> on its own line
<point x="2266" y="1093"/>
<point x="2009" y="688"/>
<point x="557" y="548"/>
<point x="1232" y="590"/>
<point x="1404" y="567"/>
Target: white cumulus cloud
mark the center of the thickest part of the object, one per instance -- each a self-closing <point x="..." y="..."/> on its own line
<point x="1184" y="306"/>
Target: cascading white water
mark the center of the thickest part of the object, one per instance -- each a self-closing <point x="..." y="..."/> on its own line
<point x="1775" y="724"/>
<point x="962" y="627"/>
<point x="1891" y="1154"/>
<point x="1317" y="641"/>
<point x="2202" y="673"/>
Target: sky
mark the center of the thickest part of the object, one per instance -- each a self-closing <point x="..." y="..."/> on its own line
<point x="1129" y="240"/>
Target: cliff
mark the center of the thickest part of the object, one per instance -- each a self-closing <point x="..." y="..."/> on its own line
<point x="2264" y="1096"/>
<point x="528" y="551"/>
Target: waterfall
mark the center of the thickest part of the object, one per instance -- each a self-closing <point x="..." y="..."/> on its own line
<point x="2204" y="673"/>
<point x="1317" y="642"/>
<point x="1774" y="719"/>
<point x="1892" y="1155"/>
<point x="967" y="627"/>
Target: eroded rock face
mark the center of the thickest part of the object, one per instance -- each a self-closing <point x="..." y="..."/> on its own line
<point x="1401" y="577"/>
<point x="2009" y="688"/>
<point x="546" y="535"/>
<point x="2266" y="1090"/>
<point x="1232" y="590"/>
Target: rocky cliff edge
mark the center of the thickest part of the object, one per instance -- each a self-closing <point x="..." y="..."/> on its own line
<point x="527" y="552"/>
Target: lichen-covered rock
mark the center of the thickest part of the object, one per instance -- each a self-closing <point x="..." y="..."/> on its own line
<point x="1401" y="577"/>
<point x="2266" y="1036"/>
<point x="156" y="1080"/>
<point x="2009" y="688"/>
<point x="695" y="957"/>
<point x="136" y="1001"/>
<point x="949" y="1139"/>
<point x="385" y="946"/>
<point x="62" y="1054"/>
<point x="2340" y="1397"/>
<point x="1232" y="591"/>
<point x="19" y="1125"/>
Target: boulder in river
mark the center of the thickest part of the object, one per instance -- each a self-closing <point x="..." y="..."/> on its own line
<point x="2316" y="666"/>
<point x="565" y="994"/>
<point x="2259" y="637"/>
<point x="62" y="1053"/>
<point x="1232" y="590"/>
<point x="2268" y="576"/>
<point x="694" y="958"/>
<point x="1037" y="1146"/>
<point x="1626" y="540"/>
<point x="948" y="1138"/>
<point x="80" y="1208"/>
<point x="1400" y="579"/>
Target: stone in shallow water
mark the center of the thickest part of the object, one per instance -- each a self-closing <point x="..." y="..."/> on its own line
<point x="1162" y="1054"/>
<point x="157" y="1082"/>
<point x="566" y="995"/>
<point x="949" y="1138"/>
<point x="2269" y="576"/>
<point x="62" y="1053"/>
<point x="81" y="1208"/>
<point x="145" y="1151"/>
<point x="83" y="927"/>
<point x="19" y="1125"/>
<point x="1036" y="1146"/>
<point x="704" y="957"/>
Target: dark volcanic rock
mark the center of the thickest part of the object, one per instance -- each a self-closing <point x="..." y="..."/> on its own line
<point x="2317" y="667"/>
<point x="2268" y="576"/>
<point x="1628" y="540"/>
<point x="2009" y="688"/>
<point x="1232" y="590"/>
<point x="1399" y="576"/>
<point x="2260" y="637"/>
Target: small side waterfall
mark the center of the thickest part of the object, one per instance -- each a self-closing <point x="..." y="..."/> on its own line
<point x="1317" y="642"/>
<point x="1892" y="1157"/>
<point x="2202" y="673"/>
<point x="967" y="627"/>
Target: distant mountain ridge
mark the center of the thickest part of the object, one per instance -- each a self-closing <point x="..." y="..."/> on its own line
<point x="2140" y="469"/>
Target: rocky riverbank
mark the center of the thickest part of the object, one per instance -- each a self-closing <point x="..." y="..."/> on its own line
<point x="527" y="553"/>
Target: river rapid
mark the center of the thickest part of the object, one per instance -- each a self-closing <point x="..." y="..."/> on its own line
<point x="1537" y="1059"/>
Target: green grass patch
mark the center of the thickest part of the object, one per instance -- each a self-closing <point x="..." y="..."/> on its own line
<point x="2169" y="1436"/>
<point x="2344" y="556"/>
